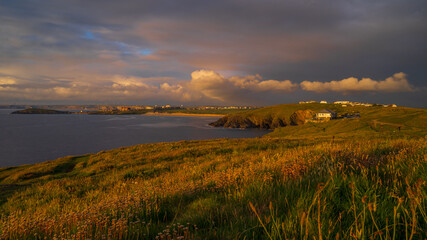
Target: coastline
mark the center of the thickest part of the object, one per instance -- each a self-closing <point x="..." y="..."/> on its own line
<point x="185" y="114"/>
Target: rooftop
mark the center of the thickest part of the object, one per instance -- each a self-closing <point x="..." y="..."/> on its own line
<point x="326" y="111"/>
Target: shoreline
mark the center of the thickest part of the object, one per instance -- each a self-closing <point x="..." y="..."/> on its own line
<point x="185" y="114"/>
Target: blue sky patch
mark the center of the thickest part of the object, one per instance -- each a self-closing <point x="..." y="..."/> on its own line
<point x="88" y="35"/>
<point x="146" y="51"/>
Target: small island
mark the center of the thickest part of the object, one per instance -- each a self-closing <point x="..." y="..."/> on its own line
<point x="40" y="111"/>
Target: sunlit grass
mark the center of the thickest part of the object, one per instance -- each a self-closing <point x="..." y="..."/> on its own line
<point x="264" y="188"/>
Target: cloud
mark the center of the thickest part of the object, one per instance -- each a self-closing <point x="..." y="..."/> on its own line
<point x="299" y="40"/>
<point x="128" y="82"/>
<point x="395" y="83"/>
<point x="180" y="93"/>
<point x="215" y="86"/>
<point x="115" y="88"/>
<point x="6" y="80"/>
<point x="204" y="87"/>
<point x="255" y="83"/>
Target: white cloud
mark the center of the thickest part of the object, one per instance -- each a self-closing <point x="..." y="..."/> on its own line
<point x="125" y="82"/>
<point x="179" y="92"/>
<point x="395" y="83"/>
<point x="205" y="86"/>
<point x="215" y="86"/>
<point x="7" y="80"/>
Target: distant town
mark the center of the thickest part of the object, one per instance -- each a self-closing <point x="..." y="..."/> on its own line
<point x="348" y="103"/>
<point x="125" y="107"/>
<point x="154" y="108"/>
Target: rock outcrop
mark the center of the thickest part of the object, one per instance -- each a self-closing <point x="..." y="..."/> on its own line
<point x="237" y="121"/>
<point x="298" y="117"/>
<point x="263" y="122"/>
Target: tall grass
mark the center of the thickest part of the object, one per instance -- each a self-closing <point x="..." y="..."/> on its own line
<point x="224" y="189"/>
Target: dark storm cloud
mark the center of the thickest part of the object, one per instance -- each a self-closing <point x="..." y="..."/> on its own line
<point x="304" y="40"/>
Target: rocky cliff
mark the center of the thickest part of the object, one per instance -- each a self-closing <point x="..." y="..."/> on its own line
<point x="263" y="122"/>
<point x="298" y="117"/>
<point x="251" y="121"/>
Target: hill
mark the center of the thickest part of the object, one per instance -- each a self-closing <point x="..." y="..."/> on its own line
<point x="347" y="178"/>
<point x="269" y="117"/>
<point x="263" y="188"/>
<point x="373" y="120"/>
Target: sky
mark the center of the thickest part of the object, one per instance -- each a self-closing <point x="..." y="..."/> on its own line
<point x="222" y="52"/>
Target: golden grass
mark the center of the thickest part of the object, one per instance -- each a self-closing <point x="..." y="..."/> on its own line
<point x="135" y="192"/>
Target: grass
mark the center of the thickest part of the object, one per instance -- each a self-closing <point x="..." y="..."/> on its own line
<point x="348" y="178"/>
<point x="269" y="188"/>
<point x="374" y="122"/>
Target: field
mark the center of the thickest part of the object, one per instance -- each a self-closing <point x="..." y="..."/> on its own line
<point x="374" y="122"/>
<point x="295" y="183"/>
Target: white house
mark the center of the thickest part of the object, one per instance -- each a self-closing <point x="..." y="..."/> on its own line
<point x="342" y="102"/>
<point x="326" y="114"/>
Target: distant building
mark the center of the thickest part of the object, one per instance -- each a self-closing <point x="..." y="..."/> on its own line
<point x="323" y="102"/>
<point x="326" y="114"/>
<point x="123" y="108"/>
<point x="105" y="108"/>
<point x="342" y="102"/>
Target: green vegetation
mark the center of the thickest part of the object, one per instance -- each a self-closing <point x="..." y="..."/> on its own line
<point x="373" y="122"/>
<point x="298" y="182"/>
<point x="284" y="111"/>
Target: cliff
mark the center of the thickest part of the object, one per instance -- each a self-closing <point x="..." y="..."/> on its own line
<point x="273" y="117"/>
<point x="251" y="121"/>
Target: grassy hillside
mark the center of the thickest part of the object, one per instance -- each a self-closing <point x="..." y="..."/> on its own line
<point x="284" y="111"/>
<point x="264" y="188"/>
<point x="373" y="122"/>
<point x="347" y="178"/>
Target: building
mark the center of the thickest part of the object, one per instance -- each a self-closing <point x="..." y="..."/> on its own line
<point x="390" y="105"/>
<point x="123" y="108"/>
<point x="342" y="102"/>
<point x="323" y="102"/>
<point x="326" y="114"/>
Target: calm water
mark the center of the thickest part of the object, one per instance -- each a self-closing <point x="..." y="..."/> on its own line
<point x="26" y="139"/>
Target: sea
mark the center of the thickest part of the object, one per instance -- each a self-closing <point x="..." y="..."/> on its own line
<point x="34" y="138"/>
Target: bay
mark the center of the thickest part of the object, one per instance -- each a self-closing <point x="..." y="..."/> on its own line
<point x="34" y="138"/>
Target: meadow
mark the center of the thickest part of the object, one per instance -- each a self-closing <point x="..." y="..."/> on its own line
<point x="353" y="185"/>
